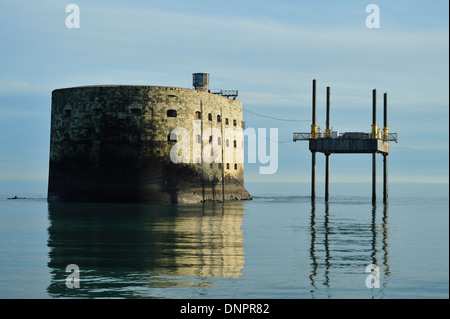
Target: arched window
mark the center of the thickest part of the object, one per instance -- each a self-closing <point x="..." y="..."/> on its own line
<point x="227" y="121"/>
<point x="235" y="166"/>
<point x="171" y="113"/>
<point x="227" y="143"/>
<point x="198" y="115"/>
<point x="234" y="143"/>
<point x="219" y="119"/>
<point x="199" y="139"/>
<point x="219" y="140"/>
<point x="228" y="165"/>
<point x="209" y="117"/>
<point x="234" y="122"/>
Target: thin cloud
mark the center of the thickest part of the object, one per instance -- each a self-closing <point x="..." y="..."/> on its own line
<point x="425" y="146"/>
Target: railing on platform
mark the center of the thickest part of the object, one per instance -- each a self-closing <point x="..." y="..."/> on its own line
<point x="227" y="93"/>
<point x="391" y="137"/>
<point x="302" y="136"/>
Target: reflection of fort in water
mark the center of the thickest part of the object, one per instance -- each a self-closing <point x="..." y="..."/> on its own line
<point x="118" y="247"/>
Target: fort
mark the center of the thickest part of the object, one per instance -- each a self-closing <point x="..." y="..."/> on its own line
<point x="112" y="143"/>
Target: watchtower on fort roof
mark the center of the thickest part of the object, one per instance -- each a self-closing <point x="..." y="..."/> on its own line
<point x="329" y="142"/>
<point x="200" y="81"/>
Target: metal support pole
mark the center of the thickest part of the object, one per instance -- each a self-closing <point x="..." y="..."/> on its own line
<point x="374" y="106"/>
<point x="385" y="124"/>
<point x="314" y="103"/>
<point x="313" y="125"/>
<point x="327" y="176"/>
<point x="328" y="110"/>
<point x="374" y="177"/>
<point x="374" y="133"/>
<point x="327" y="155"/>
<point x="313" y="136"/>
<point x="313" y="176"/>
<point x="374" y="155"/>
<point x="385" y="156"/>
<point x="385" y="178"/>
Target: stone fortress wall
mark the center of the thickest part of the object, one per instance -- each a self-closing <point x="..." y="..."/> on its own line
<point x="112" y="143"/>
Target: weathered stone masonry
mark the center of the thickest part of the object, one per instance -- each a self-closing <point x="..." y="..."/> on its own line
<point x="112" y="143"/>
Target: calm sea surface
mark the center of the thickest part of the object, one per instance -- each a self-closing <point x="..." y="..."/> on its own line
<point x="277" y="246"/>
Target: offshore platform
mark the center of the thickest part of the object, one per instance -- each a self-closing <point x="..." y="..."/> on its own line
<point x="329" y="142"/>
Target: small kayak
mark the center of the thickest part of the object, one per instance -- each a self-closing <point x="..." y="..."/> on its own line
<point x="15" y="197"/>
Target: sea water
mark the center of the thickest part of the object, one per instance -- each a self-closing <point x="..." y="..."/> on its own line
<point x="280" y="245"/>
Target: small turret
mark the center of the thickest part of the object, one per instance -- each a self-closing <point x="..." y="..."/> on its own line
<point x="200" y="81"/>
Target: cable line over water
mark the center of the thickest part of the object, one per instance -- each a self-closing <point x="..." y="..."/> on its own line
<point x="275" y="118"/>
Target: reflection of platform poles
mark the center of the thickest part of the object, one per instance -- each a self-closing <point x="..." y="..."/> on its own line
<point x="350" y="142"/>
<point x="373" y="237"/>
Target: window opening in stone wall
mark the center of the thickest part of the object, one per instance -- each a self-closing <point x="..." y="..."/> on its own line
<point x="235" y="166"/>
<point x="171" y="113"/>
<point x="209" y="117"/>
<point x="198" y="115"/>
<point x="199" y="139"/>
<point x="234" y="122"/>
<point x="172" y="137"/>
<point x="228" y="165"/>
<point x="227" y="121"/>
<point x="234" y="143"/>
<point x="136" y="112"/>
<point x="219" y="119"/>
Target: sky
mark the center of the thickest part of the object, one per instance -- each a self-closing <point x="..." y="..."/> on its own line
<point x="270" y="51"/>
